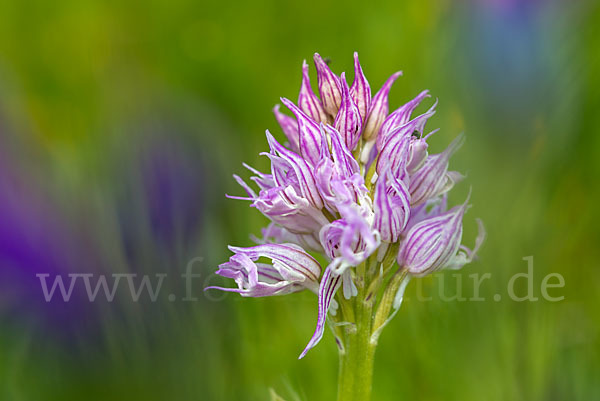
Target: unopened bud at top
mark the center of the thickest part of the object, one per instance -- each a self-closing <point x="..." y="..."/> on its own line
<point x="379" y="109"/>
<point x="329" y="86"/>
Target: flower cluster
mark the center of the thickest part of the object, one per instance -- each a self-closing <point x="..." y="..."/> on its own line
<point x="353" y="183"/>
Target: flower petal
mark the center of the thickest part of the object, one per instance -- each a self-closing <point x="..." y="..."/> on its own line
<point x="388" y="143"/>
<point x="399" y="118"/>
<point x="379" y="109"/>
<point x="392" y="206"/>
<point x="360" y="90"/>
<point x="285" y="257"/>
<point x="330" y="283"/>
<point x="430" y="244"/>
<point x="329" y="86"/>
<point x="345" y="163"/>
<point x="309" y="135"/>
<point x="358" y="240"/>
<point x="302" y="170"/>
<point x="308" y="102"/>
<point x="289" y="127"/>
<point x="394" y="156"/>
<point x="261" y="280"/>
<point x="348" y="121"/>
<point x="294" y="213"/>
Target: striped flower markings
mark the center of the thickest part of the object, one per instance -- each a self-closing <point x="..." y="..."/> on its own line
<point x="356" y="185"/>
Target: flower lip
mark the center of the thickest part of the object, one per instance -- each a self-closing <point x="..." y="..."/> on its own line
<point x="292" y="269"/>
<point x="293" y="256"/>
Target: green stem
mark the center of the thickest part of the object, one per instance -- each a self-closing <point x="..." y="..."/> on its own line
<point x="356" y="360"/>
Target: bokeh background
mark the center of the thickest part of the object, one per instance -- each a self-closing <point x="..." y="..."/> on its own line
<point x="121" y="124"/>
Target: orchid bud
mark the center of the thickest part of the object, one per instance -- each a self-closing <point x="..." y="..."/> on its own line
<point x="329" y="86"/>
<point x="360" y="91"/>
<point x="379" y="109"/>
<point x="308" y="102"/>
<point x="348" y="121"/>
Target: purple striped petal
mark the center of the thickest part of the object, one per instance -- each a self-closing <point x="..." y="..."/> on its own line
<point x="387" y="142"/>
<point x="391" y="206"/>
<point x="281" y="200"/>
<point x="348" y="121"/>
<point x="379" y="109"/>
<point x="336" y="190"/>
<point x="399" y="118"/>
<point x="286" y="258"/>
<point x="395" y="156"/>
<point x="330" y="283"/>
<point x="302" y="170"/>
<point x="253" y="280"/>
<point x="292" y="270"/>
<point x="329" y="182"/>
<point x="284" y="207"/>
<point x="329" y="86"/>
<point x="360" y="90"/>
<point x="289" y="127"/>
<point x="308" y="102"/>
<point x="430" y="244"/>
<point x="345" y="163"/>
<point x="309" y="134"/>
<point x="337" y="174"/>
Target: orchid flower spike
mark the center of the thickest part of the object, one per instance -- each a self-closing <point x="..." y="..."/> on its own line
<point x="357" y="185"/>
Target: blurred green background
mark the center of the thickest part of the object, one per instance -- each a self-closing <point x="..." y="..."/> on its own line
<point x="121" y="124"/>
